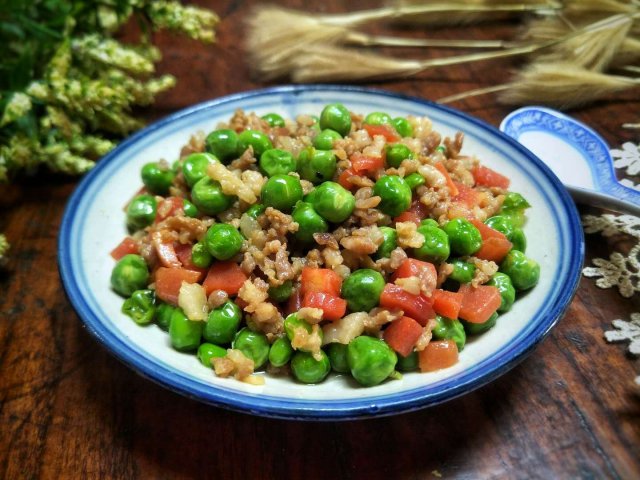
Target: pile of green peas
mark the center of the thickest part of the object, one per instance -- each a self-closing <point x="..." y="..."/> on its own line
<point x="368" y="359"/>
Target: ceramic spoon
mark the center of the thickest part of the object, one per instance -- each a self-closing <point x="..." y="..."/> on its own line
<point x="576" y="154"/>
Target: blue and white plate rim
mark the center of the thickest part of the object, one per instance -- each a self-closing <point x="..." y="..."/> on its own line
<point x="297" y="408"/>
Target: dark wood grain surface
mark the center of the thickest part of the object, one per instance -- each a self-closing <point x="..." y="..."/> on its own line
<point x="69" y="409"/>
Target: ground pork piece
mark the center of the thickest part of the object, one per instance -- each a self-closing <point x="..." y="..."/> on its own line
<point x="408" y="235"/>
<point x="262" y="315"/>
<point x="307" y="186"/>
<point x="253" y="293"/>
<point x="422" y="126"/>
<point x="379" y="317"/>
<point x="426" y="336"/>
<point x="363" y="241"/>
<point x="186" y="229"/>
<point x="444" y="270"/>
<point x="195" y="145"/>
<point x="310" y="315"/>
<point x="284" y="269"/>
<point x="411" y="284"/>
<point x="230" y="183"/>
<point x="375" y="149"/>
<point x="485" y="269"/>
<point x="365" y="199"/>
<point x="237" y="364"/>
<point x="345" y="329"/>
<point x="431" y="141"/>
<point x="433" y="177"/>
<point x="254" y="180"/>
<point x="217" y="298"/>
<point x="245" y="161"/>
<point x="454" y="146"/>
<point x="280" y="222"/>
<point x="326" y="240"/>
<point x="309" y="342"/>
<point x="332" y="257"/>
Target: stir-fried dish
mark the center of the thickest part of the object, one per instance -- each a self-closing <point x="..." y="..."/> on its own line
<point x="363" y="245"/>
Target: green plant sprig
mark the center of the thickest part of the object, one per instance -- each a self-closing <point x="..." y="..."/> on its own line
<point x="68" y="88"/>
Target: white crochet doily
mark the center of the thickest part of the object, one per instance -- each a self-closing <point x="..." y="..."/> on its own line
<point x="622" y="271"/>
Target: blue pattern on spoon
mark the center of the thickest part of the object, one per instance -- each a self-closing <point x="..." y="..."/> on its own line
<point x="576" y="154"/>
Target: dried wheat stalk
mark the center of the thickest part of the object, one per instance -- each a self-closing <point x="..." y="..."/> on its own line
<point x="462" y="17"/>
<point x="276" y="36"/>
<point x="561" y="85"/>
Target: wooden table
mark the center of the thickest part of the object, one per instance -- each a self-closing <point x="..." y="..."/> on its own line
<point x="69" y="409"/>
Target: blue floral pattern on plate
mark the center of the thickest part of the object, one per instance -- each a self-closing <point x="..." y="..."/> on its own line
<point x="593" y="151"/>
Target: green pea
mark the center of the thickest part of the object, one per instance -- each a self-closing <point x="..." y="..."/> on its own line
<point x="274" y="120"/>
<point x="316" y="165"/>
<point x="507" y="292"/>
<point x="208" y="196"/>
<point x="378" y="118"/>
<point x="402" y="126"/>
<point x="523" y="271"/>
<point x="336" y="117"/>
<point x="324" y="140"/>
<point x="362" y="289"/>
<point x="370" y="360"/>
<point x="464" y="237"/>
<point x="190" y="210"/>
<point x="389" y="243"/>
<point x="209" y="351"/>
<point x="141" y="212"/>
<point x="309" y="222"/>
<point x="223" y="144"/>
<point x="129" y="274"/>
<point x="414" y="180"/>
<point x="396" y="154"/>
<point x="395" y="194"/>
<point x="337" y="353"/>
<point x="408" y="363"/>
<point x="518" y="240"/>
<point x="333" y="202"/>
<point x="463" y="272"/>
<point x="157" y="177"/>
<point x="281" y="293"/>
<point x="164" y="311"/>
<point x="258" y="141"/>
<point x="450" y="329"/>
<point x="184" y="334"/>
<point x="277" y="162"/>
<point x="140" y="306"/>
<point x="307" y="369"/>
<point x="255" y="210"/>
<point x="478" y="328"/>
<point x="435" y="248"/>
<point x="280" y="352"/>
<point x="194" y="167"/>
<point x="222" y="323"/>
<point x="514" y="201"/>
<point x="292" y="322"/>
<point x="505" y="224"/>
<point x="200" y="256"/>
<point x="429" y="222"/>
<point x="441" y="148"/>
<point x="223" y="241"/>
<point x="254" y="345"/>
<point x="281" y="192"/>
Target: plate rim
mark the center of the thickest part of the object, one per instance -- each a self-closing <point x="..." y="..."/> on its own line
<point x="298" y="409"/>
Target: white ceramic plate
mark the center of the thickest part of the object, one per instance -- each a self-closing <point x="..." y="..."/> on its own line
<point x="94" y="224"/>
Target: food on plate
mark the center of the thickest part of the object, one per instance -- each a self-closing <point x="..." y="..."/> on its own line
<point x="364" y="245"/>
